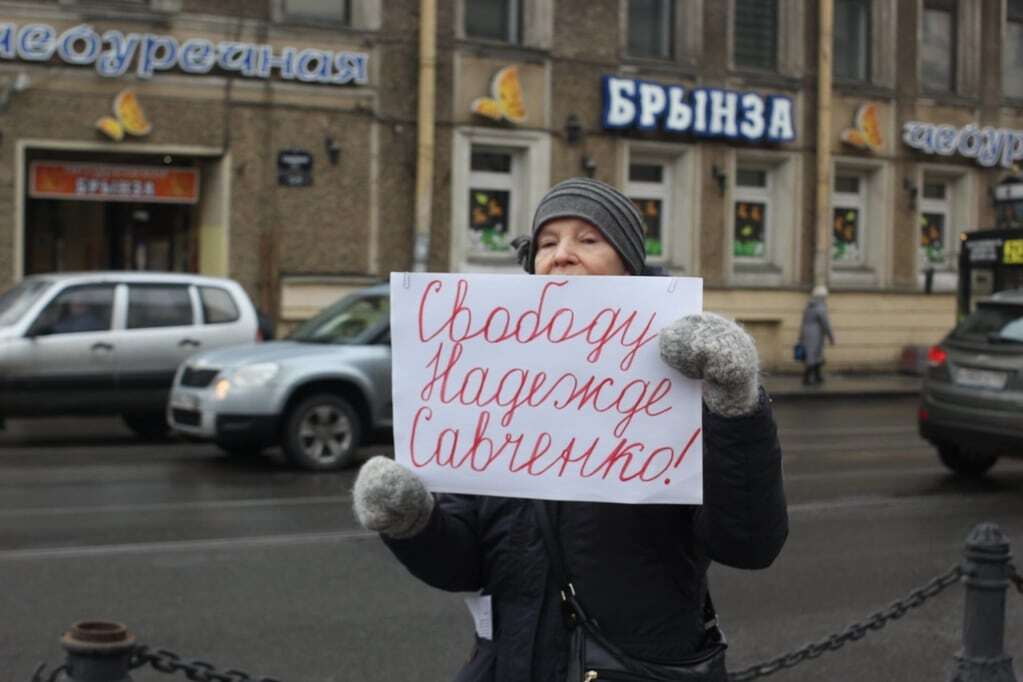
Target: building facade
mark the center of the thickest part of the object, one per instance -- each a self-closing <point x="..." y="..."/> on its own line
<point x="282" y="148"/>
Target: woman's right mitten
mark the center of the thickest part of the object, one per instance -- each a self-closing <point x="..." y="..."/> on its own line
<point x="390" y="499"/>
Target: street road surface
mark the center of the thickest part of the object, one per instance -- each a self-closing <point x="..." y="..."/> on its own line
<point x="250" y="564"/>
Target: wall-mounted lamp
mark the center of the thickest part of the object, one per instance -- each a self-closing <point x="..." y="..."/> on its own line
<point x="333" y="149"/>
<point x="11" y="85"/>
<point x="911" y="191"/>
<point x="720" y="176"/>
<point x="588" y="165"/>
<point x="573" y="129"/>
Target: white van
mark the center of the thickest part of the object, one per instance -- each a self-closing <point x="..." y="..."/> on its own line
<point x="109" y="342"/>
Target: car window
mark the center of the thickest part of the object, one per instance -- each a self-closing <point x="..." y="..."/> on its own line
<point x="217" y="305"/>
<point x="158" y="305"/>
<point x="16" y="300"/>
<point x="344" y="321"/>
<point x="992" y="322"/>
<point x="76" y="310"/>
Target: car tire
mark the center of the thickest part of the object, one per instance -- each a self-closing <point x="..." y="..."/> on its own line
<point x="322" y="432"/>
<point x="147" y="425"/>
<point x="965" y="463"/>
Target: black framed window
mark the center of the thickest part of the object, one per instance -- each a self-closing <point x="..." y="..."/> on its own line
<point x="1012" y="50"/>
<point x="494" y="20"/>
<point x="938" y="47"/>
<point x="651" y="24"/>
<point x="756" y="34"/>
<point x="337" y="11"/>
<point x="852" y="40"/>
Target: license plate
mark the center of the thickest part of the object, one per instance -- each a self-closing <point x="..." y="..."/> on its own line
<point x="981" y="378"/>
<point x="184" y="401"/>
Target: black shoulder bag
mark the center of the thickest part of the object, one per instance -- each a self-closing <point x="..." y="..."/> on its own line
<point x="593" y="657"/>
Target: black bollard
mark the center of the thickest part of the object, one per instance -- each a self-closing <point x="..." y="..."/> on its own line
<point x="98" y="652"/>
<point x="986" y="567"/>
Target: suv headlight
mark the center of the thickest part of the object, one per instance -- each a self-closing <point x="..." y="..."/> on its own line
<point x="255" y="375"/>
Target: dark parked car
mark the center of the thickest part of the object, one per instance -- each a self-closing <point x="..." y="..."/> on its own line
<point x="972" y="399"/>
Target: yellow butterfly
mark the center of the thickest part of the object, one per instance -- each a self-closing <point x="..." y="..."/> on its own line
<point x="506" y="101"/>
<point x="129" y="119"/>
<point x="867" y="133"/>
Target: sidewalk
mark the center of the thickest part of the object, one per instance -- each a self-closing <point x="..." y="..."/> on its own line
<point x="859" y="385"/>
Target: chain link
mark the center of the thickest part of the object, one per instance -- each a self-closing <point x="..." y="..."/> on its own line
<point x="1016" y="578"/>
<point x="856" y="631"/>
<point x="195" y="670"/>
<point x="54" y="674"/>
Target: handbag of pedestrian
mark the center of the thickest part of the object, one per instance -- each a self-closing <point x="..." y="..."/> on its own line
<point x="592" y="656"/>
<point x="799" y="352"/>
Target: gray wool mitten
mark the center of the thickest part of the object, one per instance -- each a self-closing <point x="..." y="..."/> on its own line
<point x="710" y="347"/>
<point x="390" y="499"/>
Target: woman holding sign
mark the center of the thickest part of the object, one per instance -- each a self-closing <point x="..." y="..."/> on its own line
<point x="639" y="569"/>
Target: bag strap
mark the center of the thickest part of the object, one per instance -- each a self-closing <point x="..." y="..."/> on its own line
<point x="571" y="607"/>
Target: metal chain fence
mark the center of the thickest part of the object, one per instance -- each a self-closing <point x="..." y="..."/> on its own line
<point x="169" y="662"/>
<point x="990" y="551"/>
<point x="1015" y="578"/>
<point x="856" y="631"/>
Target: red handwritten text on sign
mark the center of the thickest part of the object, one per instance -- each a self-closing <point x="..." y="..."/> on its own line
<point x="519" y="385"/>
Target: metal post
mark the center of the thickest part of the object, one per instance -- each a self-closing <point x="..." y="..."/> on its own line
<point x="986" y="567"/>
<point x="98" y="652"/>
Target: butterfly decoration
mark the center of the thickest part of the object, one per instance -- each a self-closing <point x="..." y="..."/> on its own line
<point x="867" y="132"/>
<point x="128" y="118"/>
<point x="506" y="100"/>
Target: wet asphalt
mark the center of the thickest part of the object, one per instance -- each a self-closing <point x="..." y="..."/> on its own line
<point x="250" y="564"/>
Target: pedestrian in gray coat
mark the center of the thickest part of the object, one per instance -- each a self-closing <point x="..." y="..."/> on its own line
<point x="816" y="326"/>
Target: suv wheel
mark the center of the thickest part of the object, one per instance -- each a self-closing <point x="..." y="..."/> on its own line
<point x="965" y="463"/>
<point x="322" y="432"/>
<point x="147" y="425"/>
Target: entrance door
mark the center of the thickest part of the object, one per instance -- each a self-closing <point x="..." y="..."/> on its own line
<point x="152" y="237"/>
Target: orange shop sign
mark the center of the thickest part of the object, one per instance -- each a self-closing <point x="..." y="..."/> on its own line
<point x="109" y="182"/>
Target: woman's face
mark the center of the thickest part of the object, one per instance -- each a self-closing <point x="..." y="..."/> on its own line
<point x="571" y="246"/>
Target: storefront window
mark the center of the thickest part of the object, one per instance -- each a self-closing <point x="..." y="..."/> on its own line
<point x="650" y="190"/>
<point x="934" y="221"/>
<point x="491" y="193"/>
<point x="751" y="214"/>
<point x="847" y="220"/>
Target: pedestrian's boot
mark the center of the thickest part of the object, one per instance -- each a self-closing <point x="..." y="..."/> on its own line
<point x="817" y="378"/>
<point x="808" y="376"/>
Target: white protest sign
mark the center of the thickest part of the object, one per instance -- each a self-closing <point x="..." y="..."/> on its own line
<point x="545" y="387"/>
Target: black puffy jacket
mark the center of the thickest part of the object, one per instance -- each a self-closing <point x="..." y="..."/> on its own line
<point x="639" y="569"/>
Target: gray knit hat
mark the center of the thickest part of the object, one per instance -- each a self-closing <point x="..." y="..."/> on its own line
<point x="602" y="206"/>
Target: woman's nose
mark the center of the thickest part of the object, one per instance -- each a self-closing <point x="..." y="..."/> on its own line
<point x="564" y="253"/>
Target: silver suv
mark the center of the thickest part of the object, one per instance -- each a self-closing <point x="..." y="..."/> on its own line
<point x="971" y="405"/>
<point x="110" y="342"/>
<point x="316" y="393"/>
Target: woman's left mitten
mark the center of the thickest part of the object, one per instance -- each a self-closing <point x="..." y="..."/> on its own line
<point x="390" y="499"/>
<point x="718" y="351"/>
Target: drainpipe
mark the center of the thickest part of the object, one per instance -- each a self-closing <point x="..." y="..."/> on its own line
<point x="425" y="133"/>
<point x="822" y="244"/>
